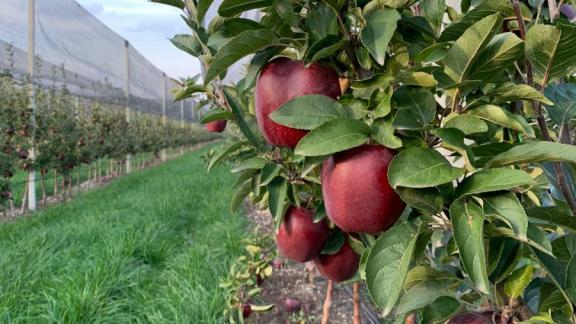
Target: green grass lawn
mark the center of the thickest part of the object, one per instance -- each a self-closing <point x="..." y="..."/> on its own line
<point x="148" y="248"/>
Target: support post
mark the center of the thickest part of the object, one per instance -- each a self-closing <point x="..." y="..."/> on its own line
<point x="31" y="62"/>
<point x="127" y="95"/>
<point x="164" y="97"/>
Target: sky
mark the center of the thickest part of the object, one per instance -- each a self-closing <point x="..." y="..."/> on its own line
<point x="147" y="26"/>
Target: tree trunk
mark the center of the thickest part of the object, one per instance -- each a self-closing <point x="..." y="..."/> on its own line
<point x="327" y="303"/>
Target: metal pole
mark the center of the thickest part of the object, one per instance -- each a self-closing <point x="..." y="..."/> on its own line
<point x="31" y="63"/>
<point x="127" y="94"/>
<point x="164" y="97"/>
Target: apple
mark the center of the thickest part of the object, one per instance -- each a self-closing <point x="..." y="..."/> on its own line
<point x="340" y="266"/>
<point x="216" y="126"/>
<point x="357" y="195"/>
<point x="472" y="318"/>
<point x="246" y="310"/>
<point x="282" y="80"/>
<point x="299" y="238"/>
<point x="292" y="305"/>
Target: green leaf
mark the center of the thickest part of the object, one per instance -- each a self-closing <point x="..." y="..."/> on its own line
<point x="336" y="5"/>
<point x="419" y="167"/>
<point x="240" y="194"/>
<point x="188" y="91"/>
<point x="420" y="274"/>
<point x="513" y="92"/>
<point x="466" y="50"/>
<point x="320" y="23"/>
<point x="489" y="180"/>
<point x="257" y="63"/>
<point x="421" y="79"/>
<point x="427" y="200"/>
<point x="551" y="50"/>
<point x="387" y="264"/>
<point x="433" y="11"/>
<point x="518" y="281"/>
<point x="556" y="271"/>
<point x="502" y="51"/>
<point x="508" y="208"/>
<point x="467" y="225"/>
<point x="335" y="243"/>
<point x="218" y="158"/>
<point x="188" y="44"/>
<point x="468" y="124"/>
<point x="500" y="116"/>
<point x="535" y="152"/>
<point x="334" y="136"/>
<point x="485" y="8"/>
<point x="571" y="279"/>
<point x="563" y="97"/>
<point x="245" y="43"/>
<point x="554" y="215"/>
<point x="453" y="139"/>
<point x="285" y="10"/>
<point x="237" y="109"/>
<point x="441" y="310"/>
<point x="324" y="48"/>
<point x="217" y="114"/>
<point x="261" y="308"/>
<point x="416" y="107"/>
<point x="278" y="191"/>
<point x="308" y="112"/>
<point x="174" y="3"/>
<point x="249" y="164"/>
<point x="229" y="29"/>
<point x="423" y="295"/>
<point x="380" y="27"/>
<point x="230" y="8"/>
<point x="269" y="172"/>
<point x="203" y="6"/>
<point x="383" y="133"/>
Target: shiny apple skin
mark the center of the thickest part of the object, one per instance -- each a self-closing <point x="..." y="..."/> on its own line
<point x="282" y="80"/>
<point x="217" y="126"/>
<point x="357" y="195"/>
<point x="340" y="266"/>
<point x="299" y="238"/>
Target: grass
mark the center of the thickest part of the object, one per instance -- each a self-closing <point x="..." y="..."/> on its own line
<point x="148" y="248"/>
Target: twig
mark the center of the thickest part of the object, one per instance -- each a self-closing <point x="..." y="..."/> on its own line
<point x="369" y="314"/>
<point x="327" y="302"/>
<point x="560" y="177"/>
<point x="356" y="299"/>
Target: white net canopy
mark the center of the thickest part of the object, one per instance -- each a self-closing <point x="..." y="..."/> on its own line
<point x="76" y="51"/>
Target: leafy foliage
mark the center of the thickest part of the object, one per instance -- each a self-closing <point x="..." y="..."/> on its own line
<point x="487" y="174"/>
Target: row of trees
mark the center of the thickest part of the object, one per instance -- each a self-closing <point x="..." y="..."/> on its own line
<point x="440" y="174"/>
<point x="70" y="132"/>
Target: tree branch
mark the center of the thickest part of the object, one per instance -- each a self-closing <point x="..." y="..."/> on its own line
<point x="327" y="303"/>
<point x="356" y="299"/>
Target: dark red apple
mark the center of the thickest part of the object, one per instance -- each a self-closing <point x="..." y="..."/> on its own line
<point x="357" y="195"/>
<point x="282" y="80"/>
<point x="292" y="305"/>
<point x="246" y="310"/>
<point x="472" y="318"/>
<point x="340" y="266"/>
<point x="217" y="126"/>
<point x="299" y="238"/>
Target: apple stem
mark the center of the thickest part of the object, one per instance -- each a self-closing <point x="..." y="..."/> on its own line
<point x="327" y="302"/>
<point x="356" y="299"/>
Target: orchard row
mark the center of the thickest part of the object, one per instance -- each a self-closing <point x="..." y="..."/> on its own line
<point x="70" y="132"/>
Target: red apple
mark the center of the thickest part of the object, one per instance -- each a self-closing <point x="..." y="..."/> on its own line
<point x="216" y="126"/>
<point x="340" y="266"/>
<point x="292" y="305"/>
<point x="357" y="195"/>
<point x="299" y="238"/>
<point x="246" y="310"/>
<point x="472" y="318"/>
<point x="282" y="80"/>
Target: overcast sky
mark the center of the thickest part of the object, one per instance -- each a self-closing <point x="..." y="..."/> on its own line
<point x="147" y="26"/>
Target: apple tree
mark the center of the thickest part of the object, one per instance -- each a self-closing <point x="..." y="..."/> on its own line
<point x="422" y="149"/>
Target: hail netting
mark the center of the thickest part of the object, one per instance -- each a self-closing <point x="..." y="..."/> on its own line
<point x="76" y="51"/>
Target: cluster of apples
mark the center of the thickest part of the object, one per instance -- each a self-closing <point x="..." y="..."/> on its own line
<point x="355" y="188"/>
